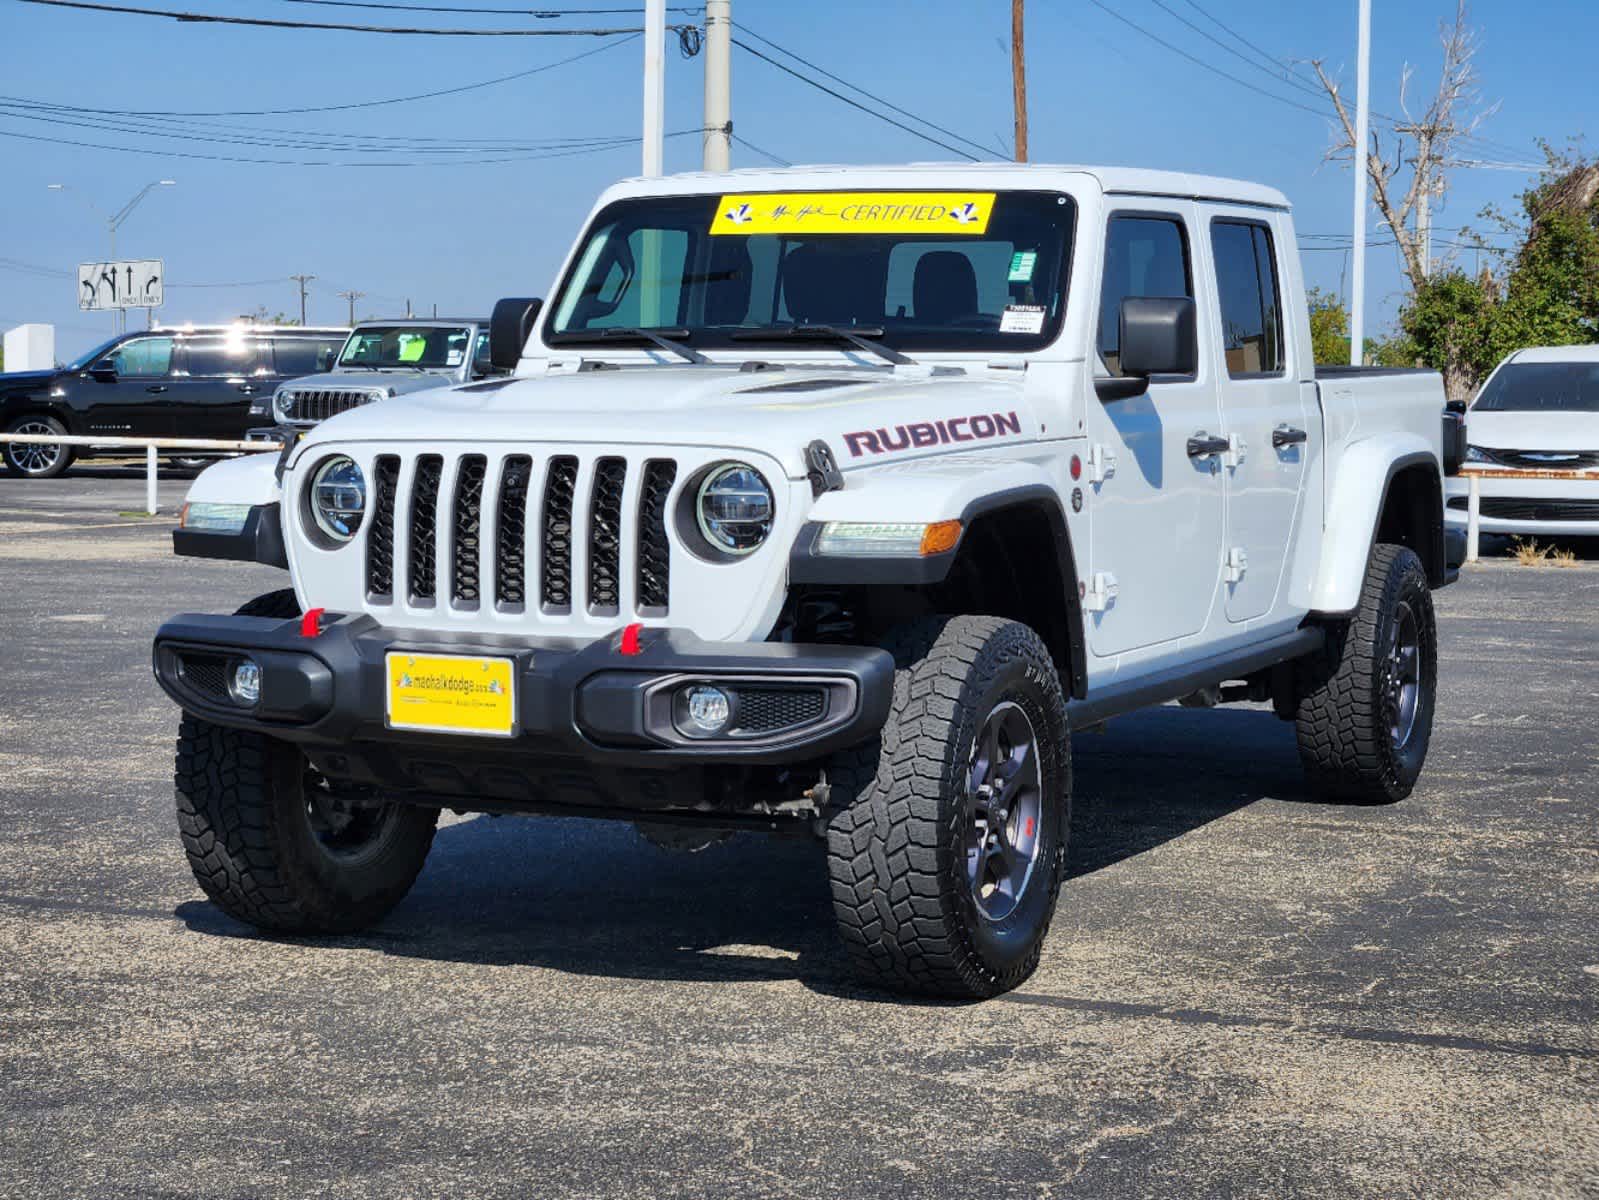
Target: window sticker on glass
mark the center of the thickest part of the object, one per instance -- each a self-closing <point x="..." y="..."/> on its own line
<point x="1022" y="318"/>
<point x="952" y="213"/>
<point x="454" y="358"/>
<point x="1022" y="264"/>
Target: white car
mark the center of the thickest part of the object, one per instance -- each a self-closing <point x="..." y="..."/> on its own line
<point x="1539" y="411"/>
<point x="824" y="502"/>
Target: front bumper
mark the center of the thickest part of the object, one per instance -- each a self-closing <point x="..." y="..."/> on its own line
<point x="575" y="703"/>
<point x="1554" y="507"/>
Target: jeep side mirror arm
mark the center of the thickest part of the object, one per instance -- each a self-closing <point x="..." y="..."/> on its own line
<point x="1120" y="387"/>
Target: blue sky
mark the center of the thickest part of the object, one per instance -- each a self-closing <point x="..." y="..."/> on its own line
<point x="461" y="236"/>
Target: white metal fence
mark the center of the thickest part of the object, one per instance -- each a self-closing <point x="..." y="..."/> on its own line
<point x="1474" y="503"/>
<point x="150" y="447"/>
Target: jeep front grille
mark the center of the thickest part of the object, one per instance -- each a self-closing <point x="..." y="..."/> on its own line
<point x="318" y="404"/>
<point x="562" y="533"/>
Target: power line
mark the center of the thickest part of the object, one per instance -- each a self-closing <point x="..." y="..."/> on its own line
<point x="870" y="95"/>
<point x="822" y="87"/>
<point x="1277" y="72"/>
<point x="767" y="154"/>
<point x="318" y="108"/>
<point x="1215" y="70"/>
<point x="542" y="14"/>
<point x="289" y="162"/>
<point x="1233" y="33"/>
<point x="271" y="23"/>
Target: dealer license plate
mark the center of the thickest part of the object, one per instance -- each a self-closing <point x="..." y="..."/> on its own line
<point x="448" y="693"/>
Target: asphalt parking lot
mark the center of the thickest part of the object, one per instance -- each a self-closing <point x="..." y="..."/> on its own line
<point x="1246" y="993"/>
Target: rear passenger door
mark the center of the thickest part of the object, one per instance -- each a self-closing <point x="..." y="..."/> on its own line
<point x="1264" y="410"/>
<point x="220" y="375"/>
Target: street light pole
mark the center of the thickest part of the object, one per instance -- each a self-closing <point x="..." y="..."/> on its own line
<point x="114" y="222"/>
<point x="654" y="87"/>
<point x="1357" y="289"/>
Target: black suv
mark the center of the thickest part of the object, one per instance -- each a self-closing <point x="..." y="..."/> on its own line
<point x="177" y="382"/>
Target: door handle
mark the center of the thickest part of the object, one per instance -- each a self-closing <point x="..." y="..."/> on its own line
<point x="249" y="389"/>
<point x="156" y="389"/>
<point x="1286" y="435"/>
<point x="1202" y="445"/>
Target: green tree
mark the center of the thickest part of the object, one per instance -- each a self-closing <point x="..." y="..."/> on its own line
<point x="1329" y="328"/>
<point x="1546" y="292"/>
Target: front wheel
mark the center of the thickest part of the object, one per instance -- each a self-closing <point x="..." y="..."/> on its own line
<point x="1366" y="702"/>
<point x="37" y="460"/>
<point x="947" y="840"/>
<point x="272" y="844"/>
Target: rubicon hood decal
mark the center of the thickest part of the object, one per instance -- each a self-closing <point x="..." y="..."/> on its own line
<point x="979" y="428"/>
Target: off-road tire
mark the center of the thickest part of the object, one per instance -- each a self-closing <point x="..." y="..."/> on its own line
<point x="12" y="453"/>
<point x="896" y="836"/>
<point x="1345" y="714"/>
<point x="243" y="817"/>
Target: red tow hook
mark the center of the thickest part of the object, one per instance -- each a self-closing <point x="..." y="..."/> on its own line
<point x="630" y="641"/>
<point x="311" y="623"/>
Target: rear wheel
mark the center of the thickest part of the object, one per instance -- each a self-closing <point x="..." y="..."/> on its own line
<point x="37" y="460"/>
<point x="1366" y="703"/>
<point x="947" y="842"/>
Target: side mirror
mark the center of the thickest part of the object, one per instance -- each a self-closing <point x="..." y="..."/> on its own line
<point x="1454" y="442"/>
<point x="510" y="326"/>
<point x="1159" y="336"/>
<point x="104" y="371"/>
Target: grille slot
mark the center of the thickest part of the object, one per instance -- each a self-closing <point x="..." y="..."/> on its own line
<point x="1545" y="460"/>
<point x="425" y="527"/>
<point x="205" y="673"/>
<point x="654" y="549"/>
<point x="380" y="537"/>
<point x="605" y="536"/>
<point x="1511" y="508"/>
<point x="468" y="529"/>
<point x="767" y="710"/>
<point x="556" y="584"/>
<point x="510" y="555"/>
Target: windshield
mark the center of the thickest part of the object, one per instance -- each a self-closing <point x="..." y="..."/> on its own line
<point x="407" y="347"/>
<point x="976" y="271"/>
<point x="83" y="361"/>
<point x="1542" y="387"/>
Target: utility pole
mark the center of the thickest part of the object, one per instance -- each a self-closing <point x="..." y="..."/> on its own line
<point x="654" y="87"/>
<point x="302" y="280"/>
<point x="718" y="85"/>
<point x="1357" y="299"/>
<point x="1018" y="74"/>
<point x="352" y="296"/>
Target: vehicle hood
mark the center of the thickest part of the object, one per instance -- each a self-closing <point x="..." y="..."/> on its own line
<point x="25" y="379"/>
<point x="1533" y="431"/>
<point x="399" y="382"/>
<point x="867" y="417"/>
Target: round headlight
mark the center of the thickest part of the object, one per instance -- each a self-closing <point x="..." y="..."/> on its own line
<point x="283" y="401"/>
<point x="338" y="497"/>
<point x="735" y="508"/>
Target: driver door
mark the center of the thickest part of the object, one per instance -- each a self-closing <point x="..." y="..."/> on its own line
<point x="137" y="402"/>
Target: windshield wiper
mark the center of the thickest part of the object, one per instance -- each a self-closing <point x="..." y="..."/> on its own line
<point x="666" y="339"/>
<point x="859" y="337"/>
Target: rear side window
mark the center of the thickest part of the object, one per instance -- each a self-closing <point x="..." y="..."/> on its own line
<point x="226" y="358"/>
<point x="1251" y="311"/>
<point x="1144" y="256"/>
<point x="305" y="355"/>
<point x="144" y="357"/>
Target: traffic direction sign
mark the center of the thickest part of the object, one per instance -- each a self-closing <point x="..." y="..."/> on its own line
<point x="111" y="285"/>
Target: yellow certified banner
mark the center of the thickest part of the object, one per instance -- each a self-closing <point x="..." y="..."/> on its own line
<point x="441" y="693"/>
<point x="934" y="213"/>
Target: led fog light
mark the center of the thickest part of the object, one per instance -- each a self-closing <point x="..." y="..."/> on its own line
<point x="709" y="709"/>
<point x="244" y="685"/>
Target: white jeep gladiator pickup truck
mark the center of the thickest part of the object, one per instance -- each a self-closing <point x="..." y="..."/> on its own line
<point x="825" y="501"/>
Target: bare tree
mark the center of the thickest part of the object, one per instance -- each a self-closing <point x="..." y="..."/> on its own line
<point x="1425" y="143"/>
